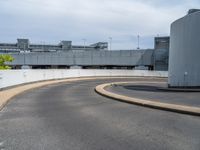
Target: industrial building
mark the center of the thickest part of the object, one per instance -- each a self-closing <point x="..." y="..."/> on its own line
<point x="161" y="53"/>
<point x="184" y="62"/>
<point x="24" y="45"/>
<point x="66" y="55"/>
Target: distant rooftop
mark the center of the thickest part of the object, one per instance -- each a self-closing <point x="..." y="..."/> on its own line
<point x="25" y="45"/>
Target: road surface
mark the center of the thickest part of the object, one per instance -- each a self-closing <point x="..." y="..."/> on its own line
<point x="71" y="116"/>
<point x="151" y="91"/>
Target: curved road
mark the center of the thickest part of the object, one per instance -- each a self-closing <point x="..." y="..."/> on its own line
<point x="71" y="116"/>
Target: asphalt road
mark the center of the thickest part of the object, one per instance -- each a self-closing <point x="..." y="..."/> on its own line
<point x="71" y="116"/>
<point x="151" y="91"/>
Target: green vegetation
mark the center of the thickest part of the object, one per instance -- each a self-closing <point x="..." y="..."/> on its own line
<point x="3" y="60"/>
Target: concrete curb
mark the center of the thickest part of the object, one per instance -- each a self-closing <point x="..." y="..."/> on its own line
<point x="146" y="103"/>
<point x="7" y="94"/>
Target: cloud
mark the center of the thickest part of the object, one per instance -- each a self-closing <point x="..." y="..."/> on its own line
<point x="95" y="20"/>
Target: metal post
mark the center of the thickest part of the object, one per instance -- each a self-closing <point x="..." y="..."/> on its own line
<point x="110" y="40"/>
<point x="138" y="39"/>
<point x="44" y="45"/>
<point x="84" y="42"/>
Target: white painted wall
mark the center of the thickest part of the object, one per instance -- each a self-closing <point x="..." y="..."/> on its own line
<point x="15" y="77"/>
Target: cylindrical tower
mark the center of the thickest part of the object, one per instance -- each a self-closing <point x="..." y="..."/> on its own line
<point x="184" y="55"/>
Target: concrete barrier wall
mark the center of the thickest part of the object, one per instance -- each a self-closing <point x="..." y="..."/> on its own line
<point x="15" y="77"/>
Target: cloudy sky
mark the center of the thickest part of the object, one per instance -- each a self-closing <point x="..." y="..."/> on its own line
<point x="50" y="21"/>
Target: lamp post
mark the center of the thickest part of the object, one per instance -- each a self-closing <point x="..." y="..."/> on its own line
<point x="84" y="42"/>
<point x="138" y="40"/>
<point x="110" y="40"/>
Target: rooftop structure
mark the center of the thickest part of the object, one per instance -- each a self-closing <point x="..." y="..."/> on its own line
<point x="25" y="45"/>
<point x="66" y="55"/>
<point x="161" y="53"/>
<point x="193" y="11"/>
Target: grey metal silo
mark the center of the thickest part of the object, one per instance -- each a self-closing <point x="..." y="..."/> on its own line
<point x="184" y="55"/>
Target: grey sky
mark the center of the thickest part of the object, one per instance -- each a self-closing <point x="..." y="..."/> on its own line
<point x="94" y="20"/>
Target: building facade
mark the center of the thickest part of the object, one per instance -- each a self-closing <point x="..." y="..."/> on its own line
<point x="161" y="53"/>
<point x="66" y="55"/>
<point x="25" y="45"/>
